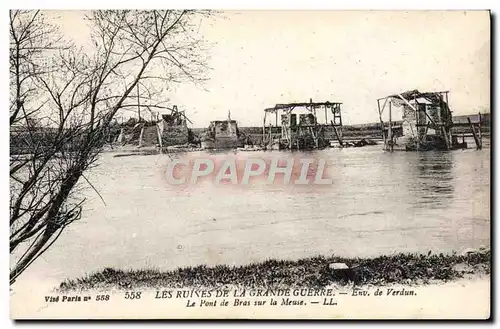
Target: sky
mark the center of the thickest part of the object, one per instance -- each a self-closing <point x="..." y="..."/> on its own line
<point x="261" y="58"/>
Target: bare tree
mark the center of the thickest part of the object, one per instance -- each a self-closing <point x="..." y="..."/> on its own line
<point x="77" y="102"/>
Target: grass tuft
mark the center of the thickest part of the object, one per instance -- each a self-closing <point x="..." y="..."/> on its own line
<point x="313" y="272"/>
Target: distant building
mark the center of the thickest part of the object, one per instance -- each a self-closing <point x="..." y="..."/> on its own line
<point x="173" y="129"/>
<point x="222" y="134"/>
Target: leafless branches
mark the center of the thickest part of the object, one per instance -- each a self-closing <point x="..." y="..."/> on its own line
<point x="31" y="37"/>
<point x="63" y="101"/>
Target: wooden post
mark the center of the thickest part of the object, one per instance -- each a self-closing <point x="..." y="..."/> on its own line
<point x="160" y="141"/>
<point x="480" y="136"/>
<point x="381" y="121"/>
<point x="474" y="134"/>
<point x="140" y="136"/>
<point x="264" y="129"/>
<point x="390" y="126"/>
<point x="289" y="131"/>
<point x="270" y="134"/>
<point x="315" y="136"/>
<point x="120" y="137"/>
<point x="446" y="140"/>
<point x="417" y="128"/>
<point x="339" y="138"/>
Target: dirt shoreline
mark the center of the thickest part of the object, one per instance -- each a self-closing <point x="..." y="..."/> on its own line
<point x="314" y="272"/>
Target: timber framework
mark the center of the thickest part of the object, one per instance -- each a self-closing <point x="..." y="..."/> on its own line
<point x="301" y="125"/>
<point x="419" y="121"/>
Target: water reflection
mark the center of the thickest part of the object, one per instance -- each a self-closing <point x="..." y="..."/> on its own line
<point x="431" y="179"/>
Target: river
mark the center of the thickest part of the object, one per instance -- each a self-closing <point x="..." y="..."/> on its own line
<point x="378" y="203"/>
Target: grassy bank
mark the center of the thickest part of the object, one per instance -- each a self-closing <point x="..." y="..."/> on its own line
<point x="312" y="272"/>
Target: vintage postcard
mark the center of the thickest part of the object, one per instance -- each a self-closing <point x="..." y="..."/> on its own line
<point x="202" y="164"/>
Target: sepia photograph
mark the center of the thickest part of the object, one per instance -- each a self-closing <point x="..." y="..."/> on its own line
<point x="250" y="164"/>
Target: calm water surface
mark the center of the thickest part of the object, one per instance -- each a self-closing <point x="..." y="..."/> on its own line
<point x="379" y="203"/>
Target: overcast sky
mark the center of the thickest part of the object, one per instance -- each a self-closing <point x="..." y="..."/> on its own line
<point x="266" y="57"/>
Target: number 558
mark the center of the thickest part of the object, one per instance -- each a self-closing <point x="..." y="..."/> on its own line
<point x="132" y="295"/>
